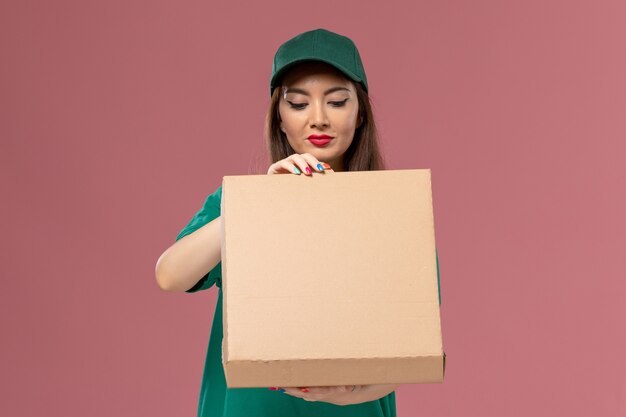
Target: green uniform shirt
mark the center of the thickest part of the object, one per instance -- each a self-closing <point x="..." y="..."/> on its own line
<point x="216" y="400"/>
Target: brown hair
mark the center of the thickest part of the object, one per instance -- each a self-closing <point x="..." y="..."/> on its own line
<point x="363" y="154"/>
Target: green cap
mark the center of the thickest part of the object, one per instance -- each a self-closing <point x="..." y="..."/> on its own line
<point x="319" y="45"/>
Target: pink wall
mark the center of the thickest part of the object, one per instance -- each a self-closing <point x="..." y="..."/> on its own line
<point x="117" y="118"/>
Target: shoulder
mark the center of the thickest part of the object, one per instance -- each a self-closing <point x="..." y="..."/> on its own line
<point x="215" y="198"/>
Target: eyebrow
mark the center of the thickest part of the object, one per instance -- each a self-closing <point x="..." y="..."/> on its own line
<point x="304" y="92"/>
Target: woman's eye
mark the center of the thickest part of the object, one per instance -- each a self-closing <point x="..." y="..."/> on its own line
<point x="297" y="106"/>
<point x="300" y="106"/>
<point x="338" y="103"/>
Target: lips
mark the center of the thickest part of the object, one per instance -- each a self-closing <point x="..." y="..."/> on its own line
<point x="320" y="140"/>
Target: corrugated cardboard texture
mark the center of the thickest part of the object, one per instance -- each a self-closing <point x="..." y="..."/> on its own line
<point x="330" y="279"/>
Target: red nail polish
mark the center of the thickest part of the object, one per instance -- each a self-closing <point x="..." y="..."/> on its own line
<point x="273" y="388"/>
<point x="308" y="170"/>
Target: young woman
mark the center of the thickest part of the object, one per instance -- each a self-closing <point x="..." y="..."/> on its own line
<point x="319" y="119"/>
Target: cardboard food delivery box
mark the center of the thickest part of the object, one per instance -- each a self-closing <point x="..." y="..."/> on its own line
<point x="330" y="279"/>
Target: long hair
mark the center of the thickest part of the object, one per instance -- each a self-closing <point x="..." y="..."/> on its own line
<point x="363" y="154"/>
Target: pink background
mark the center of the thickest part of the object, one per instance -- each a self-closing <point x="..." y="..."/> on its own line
<point x="117" y="118"/>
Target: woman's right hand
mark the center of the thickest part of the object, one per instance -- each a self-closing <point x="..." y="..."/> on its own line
<point x="297" y="164"/>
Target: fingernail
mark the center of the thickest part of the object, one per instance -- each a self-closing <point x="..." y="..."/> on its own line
<point x="304" y="390"/>
<point x="281" y="390"/>
<point x="308" y="170"/>
<point x="326" y="165"/>
<point x="273" y="388"/>
<point x="320" y="167"/>
<point x="297" y="171"/>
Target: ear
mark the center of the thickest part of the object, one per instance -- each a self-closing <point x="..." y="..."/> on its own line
<point x="359" y="122"/>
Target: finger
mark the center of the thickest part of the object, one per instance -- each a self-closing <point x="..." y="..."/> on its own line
<point x="314" y="162"/>
<point x="284" y="166"/>
<point x="277" y="168"/>
<point x="301" y="163"/>
<point x="294" y="392"/>
<point x="290" y="166"/>
<point x="315" y="391"/>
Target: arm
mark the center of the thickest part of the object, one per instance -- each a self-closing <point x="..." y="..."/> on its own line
<point x="184" y="263"/>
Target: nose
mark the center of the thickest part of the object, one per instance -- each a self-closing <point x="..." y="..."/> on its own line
<point x="318" y="117"/>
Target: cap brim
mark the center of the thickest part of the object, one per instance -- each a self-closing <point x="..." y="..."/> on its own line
<point x="291" y="64"/>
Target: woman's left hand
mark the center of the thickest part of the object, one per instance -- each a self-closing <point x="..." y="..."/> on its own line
<point x="338" y="395"/>
<point x="342" y="394"/>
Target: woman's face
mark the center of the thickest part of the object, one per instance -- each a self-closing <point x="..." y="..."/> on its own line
<point x="317" y="100"/>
